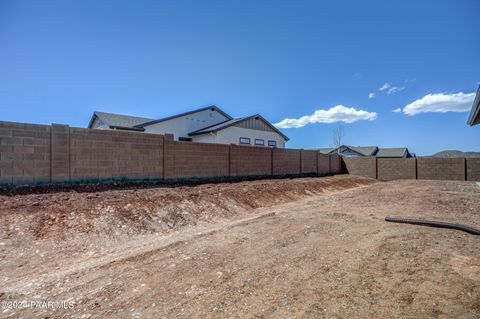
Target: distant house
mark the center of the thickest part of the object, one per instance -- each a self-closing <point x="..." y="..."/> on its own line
<point x="207" y="125"/>
<point x="359" y="151"/>
<point x="474" y="117"/>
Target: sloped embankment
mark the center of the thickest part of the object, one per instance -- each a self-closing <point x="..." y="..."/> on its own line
<point x="130" y="212"/>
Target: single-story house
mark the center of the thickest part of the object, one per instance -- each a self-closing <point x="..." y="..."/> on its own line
<point x="359" y="151"/>
<point x="207" y="125"/>
<point x="474" y="117"/>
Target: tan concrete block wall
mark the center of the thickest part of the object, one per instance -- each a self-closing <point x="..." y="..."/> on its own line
<point x="323" y="164"/>
<point x="24" y="153"/>
<point x="168" y="156"/>
<point x="250" y="161"/>
<point x="200" y="160"/>
<point x="441" y="168"/>
<point x="309" y="162"/>
<point x="335" y="164"/>
<point x="362" y="166"/>
<point x="286" y="161"/>
<point x="105" y="154"/>
<point x="38" y="153"/>
<point x="473" y="169"/>
<point x="396" y="168"/>
<point x="60" y="153"/>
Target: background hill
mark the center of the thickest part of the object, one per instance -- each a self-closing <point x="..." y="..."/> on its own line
<point x="454" y="153"/>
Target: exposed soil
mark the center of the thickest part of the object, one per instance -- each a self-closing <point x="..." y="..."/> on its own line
<point x="308" y="247"/>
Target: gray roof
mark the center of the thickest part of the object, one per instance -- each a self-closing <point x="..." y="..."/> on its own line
<point x="217" y="127"/>
<point x="120" y="121"/>
<point x="364" y="150"/>
<point x="228" y="123"/>
<point x="367" y="150"/>
<point x="213" y="107"/>
<point x="392" y="152"/>
<point x="323" y="150"/>
<point x="474" y="117"/>
<point x="361" y="150"/>
<point x="136" y="123"/>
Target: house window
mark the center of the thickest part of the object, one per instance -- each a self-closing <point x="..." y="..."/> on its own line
<point x="259" y="141"/>
<point x="244" y="140"/>
<point x="185" y="139"/>
<point x="272" y="143"/>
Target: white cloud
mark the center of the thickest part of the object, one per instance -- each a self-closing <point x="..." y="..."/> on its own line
<point x="371" y="95"/>
<point x="397" y="110"/>
<point x="337" y="113"/>
<point x="441" y="103"/>
<point x="385" y="86"/>
<point x="395" y="89"/>
<point x="390" y="89"/>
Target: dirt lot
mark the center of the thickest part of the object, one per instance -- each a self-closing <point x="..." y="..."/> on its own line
<point x="311" y="247"/>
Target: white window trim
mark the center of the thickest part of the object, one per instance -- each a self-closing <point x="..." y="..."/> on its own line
<point x="262" y="141"/>
<point x="245" y="138"/>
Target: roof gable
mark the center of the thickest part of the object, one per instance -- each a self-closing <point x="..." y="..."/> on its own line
<point x="364" y="150"/>
<point x="118" y="120"/>
<point x="235" y="122"/>
<point x="368" y="151"/>
<point x="324" y="150"/>
<point x="474" y="117"/>
<point x="392" y="152"/>
<point x="213" y="108"/>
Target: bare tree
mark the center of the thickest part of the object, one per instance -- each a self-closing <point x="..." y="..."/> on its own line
<point x="338" y="135"/>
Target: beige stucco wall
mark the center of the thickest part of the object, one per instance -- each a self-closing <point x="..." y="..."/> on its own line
<point x="231" y="135"/>
<point x="181" y="126"/>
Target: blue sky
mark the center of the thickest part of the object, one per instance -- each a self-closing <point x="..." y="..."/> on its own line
<point x="60" y="61"/>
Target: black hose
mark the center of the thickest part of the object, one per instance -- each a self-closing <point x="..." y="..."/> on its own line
<point x="431" y="223"/>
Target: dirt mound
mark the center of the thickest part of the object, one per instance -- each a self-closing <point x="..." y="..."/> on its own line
<point x="120" y="212"/>
<point x="300" y="248"/>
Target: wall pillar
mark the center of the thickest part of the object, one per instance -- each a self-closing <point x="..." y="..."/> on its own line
<point x="168" y="156"/>
<point x="60" y="154"/>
